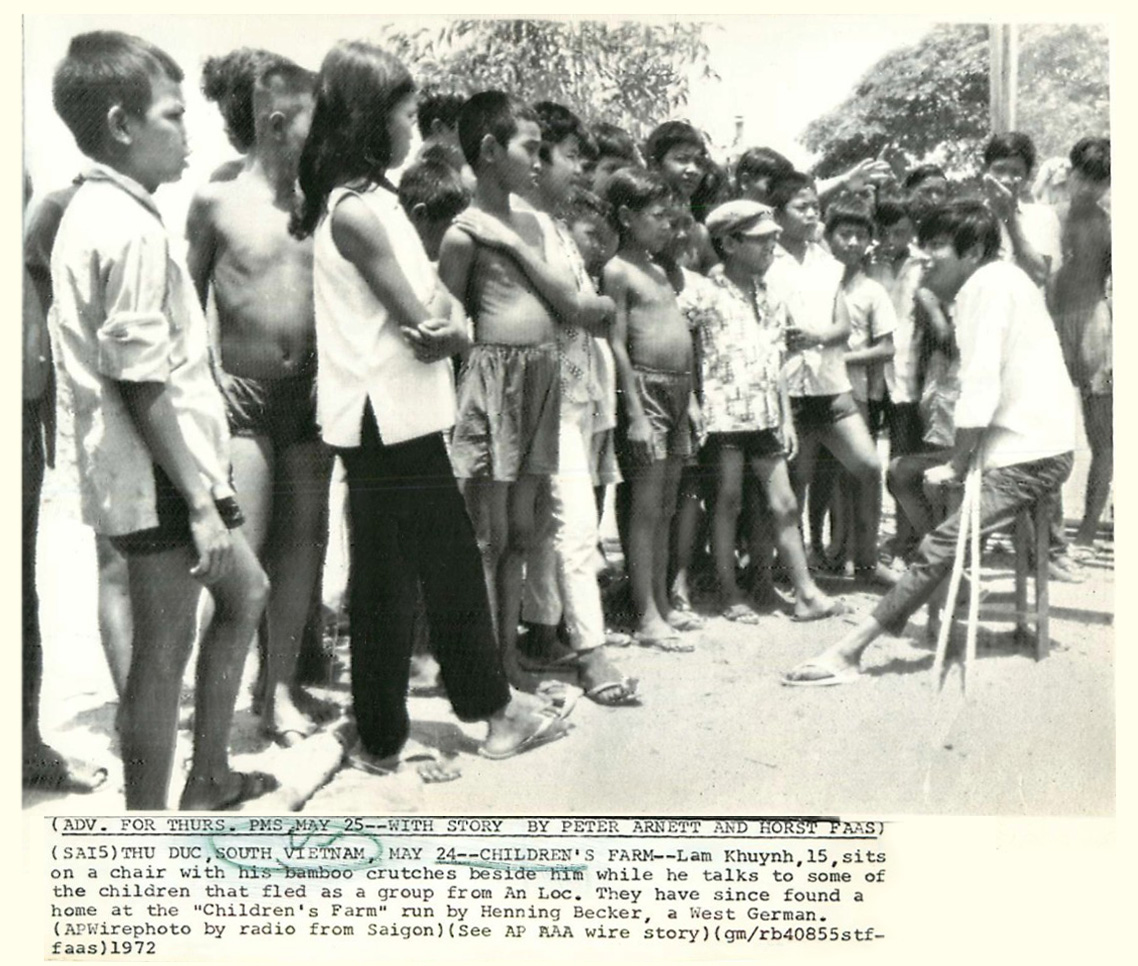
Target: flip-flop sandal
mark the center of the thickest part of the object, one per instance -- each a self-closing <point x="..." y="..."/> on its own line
<point x="836" y="609"/>
<point x="615" y="694"/>
<point x="830" y="679"/>
<point x="551" y="729"/>
<point x="251" y="784"/>
<point x="424" y="759"/>
<point x="740" y="614"/>
<point x="562" y="697"/>
<point x="617" y="638"/>
<point x="670" y="643"/>
<point x="685" y="620"/>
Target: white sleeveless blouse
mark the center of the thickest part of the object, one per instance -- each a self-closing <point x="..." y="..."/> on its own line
<point x="360" y="351"/>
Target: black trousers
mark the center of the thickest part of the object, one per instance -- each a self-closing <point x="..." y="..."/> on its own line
<point x="409" y="526"/>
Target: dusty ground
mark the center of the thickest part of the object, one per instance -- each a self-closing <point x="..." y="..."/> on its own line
<point x="717" y="734"/>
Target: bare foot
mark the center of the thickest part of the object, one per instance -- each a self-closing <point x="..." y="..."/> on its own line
<point x="817" y="608"/>
<point x="46" y="769"/>
<point x="516" y="728"/>
<point x="431" y="765"/>
<point x="283" y="721"/>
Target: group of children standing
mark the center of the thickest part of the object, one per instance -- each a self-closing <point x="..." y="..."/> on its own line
<point x="536" y="311"/>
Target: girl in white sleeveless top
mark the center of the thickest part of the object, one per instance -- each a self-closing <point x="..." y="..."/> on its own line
<point x="385" y="331"/>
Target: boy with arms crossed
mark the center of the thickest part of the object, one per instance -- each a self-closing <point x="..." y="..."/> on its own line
<point x="150" y="424"/>
<point x="505" y="443"/>
<point x="266" y="368"/>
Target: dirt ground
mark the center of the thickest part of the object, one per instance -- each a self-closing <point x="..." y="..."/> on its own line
<point x="716" y="735"/>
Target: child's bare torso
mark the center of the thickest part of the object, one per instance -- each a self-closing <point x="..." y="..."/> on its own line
<point x="658" y="336"/>
<point x="262" y="283"/>
<point x="502" y="301"/>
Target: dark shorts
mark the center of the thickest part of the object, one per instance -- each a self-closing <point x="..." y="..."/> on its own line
<point x="173" y="528"/>
<point x="817" y="413"/>
<point x="284" y="410"/>
<point x="509" y="413"/>
<point x="756" y="444"/>
<point x="905" y="430"/>
<point x="666" y="399"/>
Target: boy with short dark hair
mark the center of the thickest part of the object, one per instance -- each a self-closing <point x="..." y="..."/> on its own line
<point x="150" y="424"/>
<point x="653" y="351"/>
<point x="1029" y="233"/>
<point x="228" y="81"/>
<point x="808" y="279"/>
<point x="746" y="411"/>
<point x="432" y="194"/>
<point x="493" y="261"/>
<point x="613" y="150"/>
<point x="437" y="118"/>
<point x="561" y="580"/>
<point x="926" y="187"/>
<point x="756" y="169"/>
<point x="261" y="280"/>
<point x="849" y="231"/>
<point x="1015" y="416"/>
<point x="677" y="152"/>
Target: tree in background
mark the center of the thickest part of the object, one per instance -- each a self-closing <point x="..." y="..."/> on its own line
<point x="632" y="74"/>
<point x="929" y="101"/>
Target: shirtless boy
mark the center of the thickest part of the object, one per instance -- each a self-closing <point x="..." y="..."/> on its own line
<point x="505" y="444"/>
<point x="653" y="352"/>
<point x="262" y="284"/>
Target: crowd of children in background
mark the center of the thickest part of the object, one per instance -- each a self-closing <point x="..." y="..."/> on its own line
<point x="488" y="336"/>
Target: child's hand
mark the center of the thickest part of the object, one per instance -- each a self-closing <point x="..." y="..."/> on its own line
<point x="487" y="229"/>
<point x="435" y="339"/>
<point x="640" y="440"/>
<point x="789" y="440"/>
<point x="868" y="172"/>
<point x="1001" y="199"/>
<point x="798" y="339"/>
<point x="213" y="544"/>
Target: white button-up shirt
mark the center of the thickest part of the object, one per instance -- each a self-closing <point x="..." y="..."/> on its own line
<point x="1012" y="378"/>
<point x="125" y="310"/>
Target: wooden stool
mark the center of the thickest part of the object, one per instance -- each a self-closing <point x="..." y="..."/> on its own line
<point x="1033" y="518"/>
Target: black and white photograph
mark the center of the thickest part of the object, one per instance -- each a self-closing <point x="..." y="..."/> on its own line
<point x="566" y="416"/>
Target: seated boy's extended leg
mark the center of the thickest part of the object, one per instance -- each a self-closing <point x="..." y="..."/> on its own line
<point x="239" y="601"/>
<point x="294" y="554"/>
<point x="164" y="599"/>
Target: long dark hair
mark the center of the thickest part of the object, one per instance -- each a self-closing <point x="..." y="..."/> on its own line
<point x="357" y="89"/>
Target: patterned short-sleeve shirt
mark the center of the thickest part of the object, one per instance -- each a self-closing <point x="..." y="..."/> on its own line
<point x="742" y="343"/>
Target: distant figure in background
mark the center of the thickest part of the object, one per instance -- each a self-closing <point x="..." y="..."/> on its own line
<point x="1081" y="306"/>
